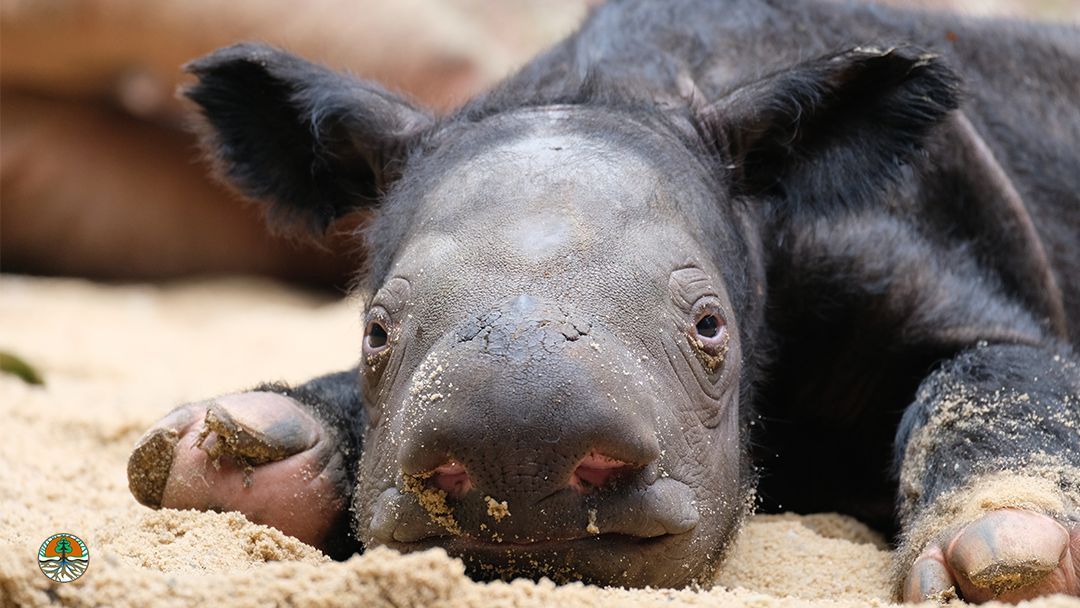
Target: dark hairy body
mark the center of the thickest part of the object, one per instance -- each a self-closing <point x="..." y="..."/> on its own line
<point x="860" y="228"/>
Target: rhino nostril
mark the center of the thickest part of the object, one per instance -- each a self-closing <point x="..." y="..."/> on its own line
<point x="452" y="478"/>
<point x="596" y="470"/>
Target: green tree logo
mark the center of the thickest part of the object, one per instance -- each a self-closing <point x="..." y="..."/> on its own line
<point x="64" y="563"/>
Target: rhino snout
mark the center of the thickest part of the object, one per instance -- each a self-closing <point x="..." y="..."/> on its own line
<point x="528" y="418"/>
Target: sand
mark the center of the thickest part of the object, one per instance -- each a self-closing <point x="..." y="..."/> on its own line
<point x="114" y="358"/>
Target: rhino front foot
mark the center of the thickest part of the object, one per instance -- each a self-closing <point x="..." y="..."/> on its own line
<point x="259" y="453"/>
<point x="1007" y="555"/>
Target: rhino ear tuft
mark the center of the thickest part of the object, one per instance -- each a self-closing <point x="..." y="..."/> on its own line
<point x="835" y="131"/>
<point x="312" y="143"/>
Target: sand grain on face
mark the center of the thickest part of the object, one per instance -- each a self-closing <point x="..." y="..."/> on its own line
<point x="65" y="449"/>
<point x="433" y="500"/>
<point x="497" y="509"/>
<point x="591" y="527"/>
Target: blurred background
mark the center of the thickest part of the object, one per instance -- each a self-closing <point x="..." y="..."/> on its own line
<point x="99" y="179"/>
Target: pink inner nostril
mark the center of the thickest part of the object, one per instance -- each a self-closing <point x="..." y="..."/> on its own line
<point x="596" y="470"/>
<point x="452" y="478"/>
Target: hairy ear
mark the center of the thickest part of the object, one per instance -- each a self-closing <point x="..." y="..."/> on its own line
<point x="313" y="143"/>
<point x="833" y="131"/>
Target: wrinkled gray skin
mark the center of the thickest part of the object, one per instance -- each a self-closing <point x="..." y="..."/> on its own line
<point x="576" y="340"/>
<point x="584" y="286"/>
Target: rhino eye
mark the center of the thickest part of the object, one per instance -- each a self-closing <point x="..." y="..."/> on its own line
<point x="708" y="326"/>
<point x="377" y="337"/>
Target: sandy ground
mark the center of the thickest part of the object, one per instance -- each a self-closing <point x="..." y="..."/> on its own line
<point x="116" y="358"/>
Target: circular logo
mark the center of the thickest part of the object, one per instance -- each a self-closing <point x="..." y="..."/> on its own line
<point x="63" y="557"/>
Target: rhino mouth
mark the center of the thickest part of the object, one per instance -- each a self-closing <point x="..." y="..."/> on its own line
<point x="465" y="546"/>
<point x="606" y="558"/>
<point x="404" y="518"/>
<point x="482" y="544"/>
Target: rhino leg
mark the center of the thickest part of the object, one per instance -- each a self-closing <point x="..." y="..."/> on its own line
<point x="284" y="457"/>
<point x="990" y="478"/>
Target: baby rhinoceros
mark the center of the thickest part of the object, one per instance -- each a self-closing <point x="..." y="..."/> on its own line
<point x="697" y="248"/>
